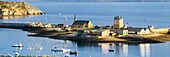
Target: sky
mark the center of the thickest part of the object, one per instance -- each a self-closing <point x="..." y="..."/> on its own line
<point x="91" y="0"/>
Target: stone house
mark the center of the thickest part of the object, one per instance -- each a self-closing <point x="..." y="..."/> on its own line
<point x="82" y="24"/>
<point x="102" y="33"/>
<point x="94" y="33"/>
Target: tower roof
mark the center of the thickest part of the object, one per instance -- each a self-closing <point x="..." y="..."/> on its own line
<point x="118" y="17"/>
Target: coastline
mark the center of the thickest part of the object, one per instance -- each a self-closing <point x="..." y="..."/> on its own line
<point x="53" y="34"/>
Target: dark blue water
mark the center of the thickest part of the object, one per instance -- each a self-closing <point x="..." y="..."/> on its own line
<point x="135" y="14"/>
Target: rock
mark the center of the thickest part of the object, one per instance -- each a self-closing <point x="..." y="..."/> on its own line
<point x="18" y="9"/>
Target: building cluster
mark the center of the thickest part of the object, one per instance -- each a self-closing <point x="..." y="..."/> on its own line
<point x="85" y="28"/>
<point x="39" y="24"/>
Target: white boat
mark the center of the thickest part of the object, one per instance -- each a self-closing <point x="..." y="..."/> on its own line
<point x="17" y="45"/>
<point x="61" y="50"/>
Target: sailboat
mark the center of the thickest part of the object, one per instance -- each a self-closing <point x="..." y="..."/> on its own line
<point x="36" y="47"/>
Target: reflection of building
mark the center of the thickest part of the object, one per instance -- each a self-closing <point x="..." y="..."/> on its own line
<point x="122" y="50"/>
<point x="145" y="50"/>
<point x="105" y="47"/>
<point x="118" y="22"/>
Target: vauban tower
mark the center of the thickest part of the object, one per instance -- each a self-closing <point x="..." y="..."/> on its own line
<point x="118" y="22"/>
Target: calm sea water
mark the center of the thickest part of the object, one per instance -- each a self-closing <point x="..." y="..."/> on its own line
<point x="135" y="14"/>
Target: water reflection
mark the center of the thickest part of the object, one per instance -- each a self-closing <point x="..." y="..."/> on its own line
<point x="119" y="48"/>
<point x="35" y="46"/>
<point x="122" y="50"/>
<point x="85" y="49"/>
<point x="145" y="50"/>
<point x="11" y="17"/>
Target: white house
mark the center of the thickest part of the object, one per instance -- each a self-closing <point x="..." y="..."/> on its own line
<point x="132" y="30"/>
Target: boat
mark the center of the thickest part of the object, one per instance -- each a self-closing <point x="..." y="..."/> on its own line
<point x="74" y="52"/>
<point x="111" y="50"/>
<point x="61" y="50"/>
<point x="17" y="45"/>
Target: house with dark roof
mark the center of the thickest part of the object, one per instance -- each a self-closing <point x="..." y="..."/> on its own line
<point x="94" y="33"/>
<point x="82" y="24"/>
<point x="132" y="30"/>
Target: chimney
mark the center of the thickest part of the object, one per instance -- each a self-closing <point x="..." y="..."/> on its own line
<point x="75" y="17"/>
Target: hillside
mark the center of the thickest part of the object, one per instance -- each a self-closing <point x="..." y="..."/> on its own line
<point x="18" y="9"/>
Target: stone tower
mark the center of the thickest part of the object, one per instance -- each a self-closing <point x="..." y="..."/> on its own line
<point x="118" y="22"/>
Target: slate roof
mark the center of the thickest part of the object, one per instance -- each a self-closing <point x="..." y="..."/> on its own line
<point x="134" y="29"/>
<point x="80" y="22"/>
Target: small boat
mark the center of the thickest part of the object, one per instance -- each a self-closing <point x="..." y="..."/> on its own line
<point x="111" y="50"/>
<point x="62" y="50"/>
<point x="74" y="53"/>
<point x="17" y="45"/>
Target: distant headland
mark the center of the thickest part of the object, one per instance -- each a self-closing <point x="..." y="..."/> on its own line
<point x="18" y="9"/>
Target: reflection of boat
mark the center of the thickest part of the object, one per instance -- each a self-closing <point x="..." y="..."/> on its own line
<point x="66" y="55"/>
<point x="35" y="48"/>
<point x="61" y="50"/>
<point x="18" y="48"/>
<point x="17" y="45"/>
